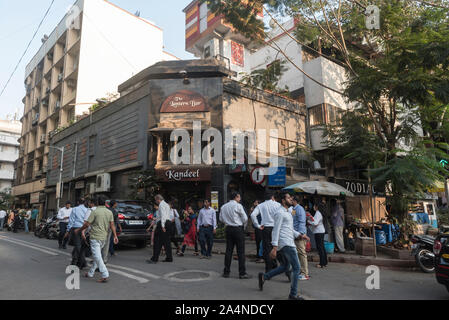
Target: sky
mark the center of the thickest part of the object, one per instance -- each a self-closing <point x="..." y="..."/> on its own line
<point x="20" y="18"/>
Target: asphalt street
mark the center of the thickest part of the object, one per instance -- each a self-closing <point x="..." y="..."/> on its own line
<point x="33" y="268"/>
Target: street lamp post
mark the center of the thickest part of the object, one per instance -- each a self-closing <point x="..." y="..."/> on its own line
<point x="60" y="183"/>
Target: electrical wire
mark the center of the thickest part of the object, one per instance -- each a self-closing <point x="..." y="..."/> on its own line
<point x="26" y="50"/>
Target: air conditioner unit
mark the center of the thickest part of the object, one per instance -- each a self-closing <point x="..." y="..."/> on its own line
<point x="58" y="105"/>
<point x="103" y="182"/>
<point x="92" y="188"/>
<point x="43" y="136"/>
<point x="60" y="77"/>
<point x="47" y="91"/>
<point x="211" y="48"/>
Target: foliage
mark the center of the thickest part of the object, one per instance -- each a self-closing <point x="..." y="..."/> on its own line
<point x="443" y="216"/>
<point x="6" y="200"/>
<point x="267" y="79"/>
<point x="143" y="185"/>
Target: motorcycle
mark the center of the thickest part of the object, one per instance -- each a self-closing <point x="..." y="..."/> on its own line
<point x="422" y="249"/>
<point x="48" y="228"/>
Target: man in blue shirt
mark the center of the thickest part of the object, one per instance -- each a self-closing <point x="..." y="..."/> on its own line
<point x="207" y="226"/>
<point x="76" y="221"/>
<point x="299" y="224"/>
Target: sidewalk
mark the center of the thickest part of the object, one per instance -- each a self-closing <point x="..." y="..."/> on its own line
<point x="382" y="260"/>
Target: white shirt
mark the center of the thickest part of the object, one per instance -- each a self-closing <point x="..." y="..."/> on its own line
<point x="64" y="214"/>
<point x="163" y="213"/>
<point x="267" y="210"/>
<point x="232" y="214"/>
<point x="317" y="225"/>
<point x="283" y="234"/>
<point x="2" y="214"/>
<point x="28" y="215"/>
<point x="88" y="212"/>
<point x="173" y="214"/>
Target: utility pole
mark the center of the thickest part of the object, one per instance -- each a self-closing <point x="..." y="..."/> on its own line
<point x="370" y="187"/>
<point x="60" y="183"/>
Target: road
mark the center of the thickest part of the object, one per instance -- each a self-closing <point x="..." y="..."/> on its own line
<point x="32" y="268"/>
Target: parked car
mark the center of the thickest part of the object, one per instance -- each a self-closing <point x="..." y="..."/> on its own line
<point x="441" y="251"/>
<point x="134" y="220"/>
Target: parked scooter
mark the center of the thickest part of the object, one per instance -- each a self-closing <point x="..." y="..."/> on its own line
<point x="422" y="249"/>
<point x="48" y="228"/>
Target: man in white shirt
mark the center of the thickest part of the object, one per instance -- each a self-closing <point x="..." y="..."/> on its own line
<point x="207" y="226"/>
<point x="2" y="219"/>
<point x="63" y="218"/>
<point x="283" y="240"/>
<point x="162" y="232"/>
<point x="235" y="219"/>
<point x="267" y="210"/>
<point x="26" y="219"/>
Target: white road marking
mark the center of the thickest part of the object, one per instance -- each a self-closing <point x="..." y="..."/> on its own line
<point x="169" y="276"/>
<point x="139" y="279"/>
<point x="28" y="246"/>
<point x="172" y="276"/>
<point x="149" y="275"/>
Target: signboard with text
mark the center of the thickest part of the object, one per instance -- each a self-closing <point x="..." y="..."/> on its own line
<point x="184" y="101"/>
<point x="183" y="174"/>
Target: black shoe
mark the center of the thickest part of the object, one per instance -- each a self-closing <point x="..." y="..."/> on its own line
<point x="64" y="247"/>
<point x="225" y="275"/>
<point x="261" y="281"/>
<point x="295" y="298"/>
<point x="289" y="276"/>
<point x="167" y="260"/>
<point x="151" y="261"/>
<point x="245" y="276"/>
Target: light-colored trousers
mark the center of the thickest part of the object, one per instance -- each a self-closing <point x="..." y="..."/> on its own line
<point x="105" y="250"/>
<point x="302" y="255"/>
<point x="95" y="247"/>
<point x="339" y="238"/>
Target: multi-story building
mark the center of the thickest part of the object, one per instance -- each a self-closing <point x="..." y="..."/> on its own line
<point x="94" y="48"/>
<point x="9" y="152"/>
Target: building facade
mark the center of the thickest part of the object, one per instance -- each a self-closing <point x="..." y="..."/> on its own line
<point x="94" y="48"/>
<point x="134" y="133"/>
<point x="9" y="152"/>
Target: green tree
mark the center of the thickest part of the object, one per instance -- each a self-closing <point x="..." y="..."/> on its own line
<point x="6" y="200"/>
<point x="143" y="185"/>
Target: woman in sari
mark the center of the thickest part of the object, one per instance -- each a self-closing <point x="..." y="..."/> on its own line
<point x="190" y="232"/>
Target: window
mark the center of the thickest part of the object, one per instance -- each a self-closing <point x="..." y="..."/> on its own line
<point x="333" y="114"/>
<point x="287" y="147"/>
<point x="203" y="17"/>
<point x="316" y="116"/>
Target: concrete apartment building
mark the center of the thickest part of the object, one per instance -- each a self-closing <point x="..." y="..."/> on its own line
<point x="94" y="48"/>
<point x="9" y="152"/>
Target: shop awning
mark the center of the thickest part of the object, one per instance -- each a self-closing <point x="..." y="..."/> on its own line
<point x="322" y="188"/>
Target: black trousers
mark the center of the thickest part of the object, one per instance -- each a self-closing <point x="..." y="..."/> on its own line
<point x="235" y="236"/>
<point x="78" y="252"/>
<point x="173" y="234"/>
<point x="62" y="231"/>
<point x="258" y="235"/>
<point x="162" y="239"/>
<point x="206" y="240"/>
<point x="267" y="247"/>
<point x="319" y="240"/>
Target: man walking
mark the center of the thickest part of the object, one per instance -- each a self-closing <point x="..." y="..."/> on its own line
<point x="76" y="221"/>
<point x="207" y="226"/>
<point x="299" y="224"/>
<point x="234" y="217"/>
<point x="100" y="221"/>
<point x="34" y="214"/>
<point x="2" y="218"/>
<point x="63" y="218"/>
<point x="162" y="232"/>
<point x="26" y="220"/>
<point x="283" y="241"/>
<point x="267" y="211"/>
<point x="338" y="221"/>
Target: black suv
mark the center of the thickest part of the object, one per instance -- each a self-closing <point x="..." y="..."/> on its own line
<point x="134" y="220"/>
<point x="441" y="251"/>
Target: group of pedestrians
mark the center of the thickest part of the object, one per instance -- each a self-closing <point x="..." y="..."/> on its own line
<point x="91" y="226"/>
<point x="19" y="218"/>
